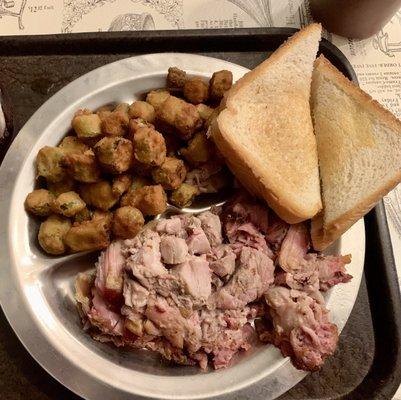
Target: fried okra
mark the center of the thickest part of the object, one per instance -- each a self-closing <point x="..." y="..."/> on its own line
<point x="99" y="194"/>
<point x="127" y="222"/>
<point x="115" y="124"/>
<point x="219" y="83"/>
<point x="87" y="127"/>
<point x="104" y="112"/>
<point x="157" y="97"/>
<point x="105" y="217"/>
<point x="84" y="215"/>
<point x="199" y="150"/>
<point x="204" y="111"/>
<point x="150" y="200"/>
<point x="39" y="202"/>
<point x="173" y="144"/>
<point x="143" y="110"/>
<point x="121" y="183"/>
<point x="107" y="107"/>
<point x="141" y="169"/>
<point x="114" y="154"/>
<point x="68" y="204"/>
<point x="176" y="78"/>
<point x="149" y="147"/>
<point x="66" y="185"/>
<point x="88" y="235"/>
<point x="91" y="173"/>
<point x="135" y="125"/>
<point x="179" y="116"/>
<point x="196" y="90"/>
<point x="50" y="164"/>
<point x="71" y="144"/>
<point x="52" y="233"/>
<point x="123" y="107"/>
<point x="83" y="167"/>
<point x="184" y="195"/>
<point x="140" y="181"/>
<point x="170" y="174"/>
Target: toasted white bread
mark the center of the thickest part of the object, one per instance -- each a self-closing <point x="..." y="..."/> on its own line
<point x="265" y="131"/>
<point x="359" y="147"/>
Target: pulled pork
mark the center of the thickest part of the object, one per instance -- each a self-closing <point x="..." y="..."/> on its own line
<point x="200" y="289"/>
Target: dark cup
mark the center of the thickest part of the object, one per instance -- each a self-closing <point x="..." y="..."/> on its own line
<point x="358" y="19"/>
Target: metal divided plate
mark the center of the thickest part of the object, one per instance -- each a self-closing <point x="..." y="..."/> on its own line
<point x="36" y="290"/>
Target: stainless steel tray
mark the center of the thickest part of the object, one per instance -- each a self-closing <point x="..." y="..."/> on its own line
<point x="36" y="291"/>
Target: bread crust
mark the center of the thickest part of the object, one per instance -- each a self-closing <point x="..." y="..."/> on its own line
<point x="244" y="173"/>
<point x="324" y="234"/>
<point x="285" y="47"/>
<point x="236" y="161"/>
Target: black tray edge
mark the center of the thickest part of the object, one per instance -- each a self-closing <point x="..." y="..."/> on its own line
<point x="386" y="312"/>
<point x="246" y="39"/>
<point x="168" y="40"/>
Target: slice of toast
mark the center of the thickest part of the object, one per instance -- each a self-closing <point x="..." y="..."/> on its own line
<point x="359" y="147"/>
<point x="265" y="130"/>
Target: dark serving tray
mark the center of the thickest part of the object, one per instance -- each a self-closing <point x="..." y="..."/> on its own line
<point x="367" y="363"/>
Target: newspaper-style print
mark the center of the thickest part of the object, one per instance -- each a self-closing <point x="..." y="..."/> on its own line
<point x="9" y="8"/>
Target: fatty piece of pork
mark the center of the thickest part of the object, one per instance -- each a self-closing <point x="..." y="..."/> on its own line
<point x="238" y="340"/>
<point x="303" y="270"/>
<point x="133" y="320"/>
<point x="307" y="281"/>
<point x="195" y="276"/>
<point x="199" y="235"/>
<point x="301" y="328"/>
<point x="177" y="355"/>
<point x="170" y="226"/>
<point x="222" y="260"/>
<point x="174" y="250"/>
<point x="145" y="263"/>
<point x="332" y="270"/>
<point x="276" y="231"/>
<point x="243" y="208"/>
<point x="188" y="284"/>
<point x="177" y="329"/>
<point x="243" y="221"/>
<point x="104" y="317"/>
<point x="109" y="272"/>
<point x="225" y="332"/>
<point x="246" y="235"/>
<point x="211" y="225"/>
<point x="197" y="242"/>
<point x="294" y="248"/>
<point x="96" y="311"/>
<point x="135" y="295"/>
<point x="83" y="295"/>
<point x="253" y="276"/>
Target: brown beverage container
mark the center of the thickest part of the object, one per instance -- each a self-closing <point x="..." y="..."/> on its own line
<point x="358" y="19"/>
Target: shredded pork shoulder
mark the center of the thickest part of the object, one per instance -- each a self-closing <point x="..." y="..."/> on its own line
<point x="200" y="289"/>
